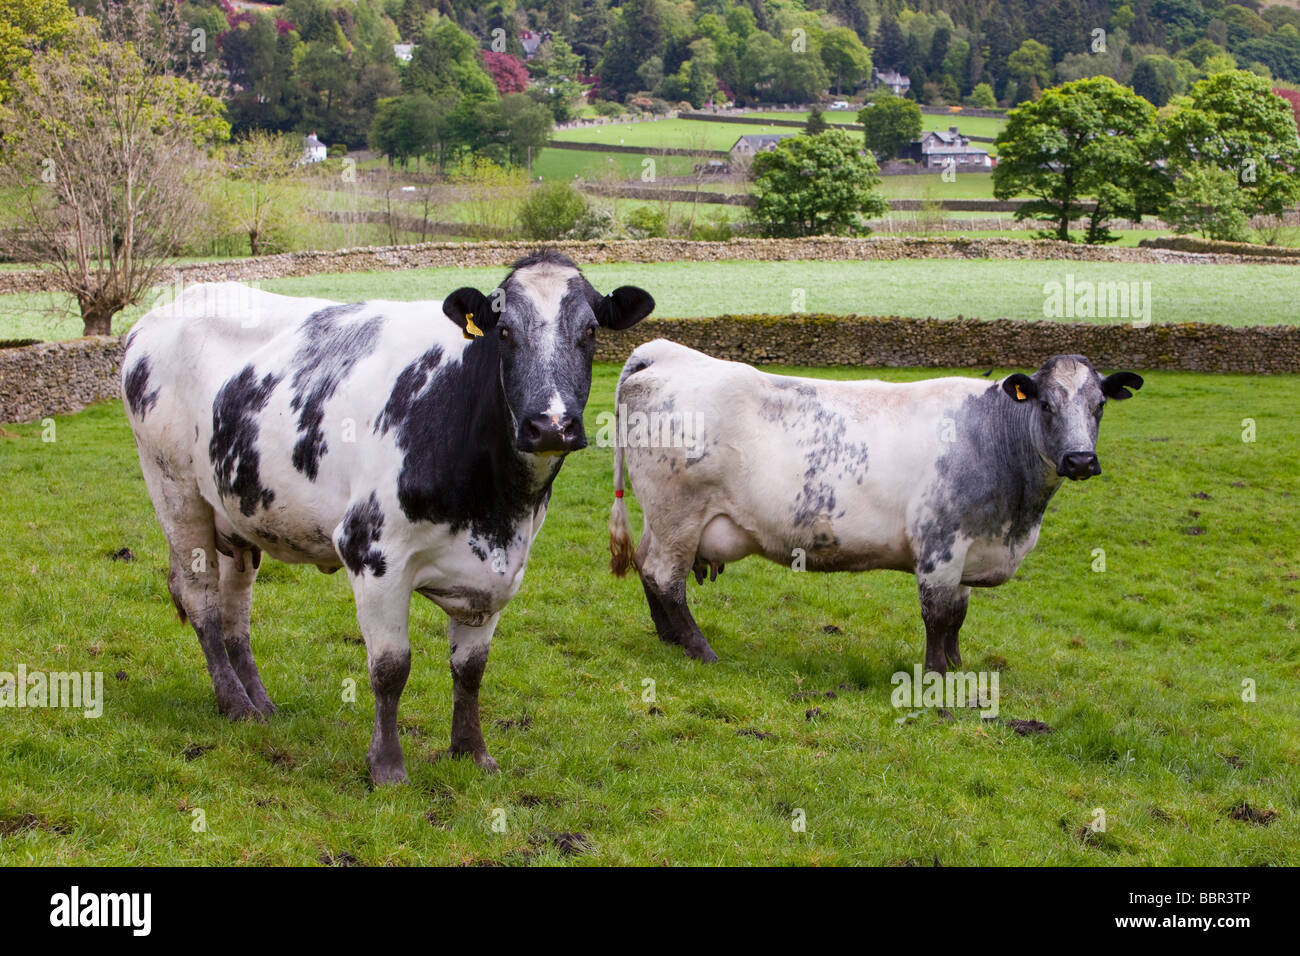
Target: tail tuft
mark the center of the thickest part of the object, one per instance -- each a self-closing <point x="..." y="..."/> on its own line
<point x="620" y="539"/>
<point x="623" y="555"/>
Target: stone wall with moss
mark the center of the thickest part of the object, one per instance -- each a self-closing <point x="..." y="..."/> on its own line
<point x="59" y="377"/>
<point x="871" y="341"/>
<point x="53" y="378"/>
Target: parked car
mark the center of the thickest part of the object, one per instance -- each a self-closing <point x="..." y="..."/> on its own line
<point x="841" y="105"/>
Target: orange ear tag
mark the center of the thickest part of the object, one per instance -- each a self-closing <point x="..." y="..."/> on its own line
<point x="470" y="328"/>
<point x="1020" y="395"/>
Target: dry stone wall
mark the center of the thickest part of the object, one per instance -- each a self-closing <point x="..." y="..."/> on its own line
<point x="54" y="378"/>
<point x="59" y="377"/>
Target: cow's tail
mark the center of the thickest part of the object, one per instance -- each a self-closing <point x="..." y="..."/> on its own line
<point x="622" y="553"/>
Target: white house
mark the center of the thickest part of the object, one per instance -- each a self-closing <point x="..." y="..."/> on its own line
<point x="313" y="150"/>
<point x="897" y="82"/>
<point x="404" y="51"/>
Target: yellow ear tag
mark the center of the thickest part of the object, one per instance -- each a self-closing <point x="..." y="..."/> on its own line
<point x="470" y="328"/>
<point x="1020" y="395"/>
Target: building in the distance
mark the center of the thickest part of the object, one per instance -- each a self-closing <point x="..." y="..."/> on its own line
<point x="313" y="150"/>
<point x="937" y="149"/>
<point x="747" y="147"/>
<point x="897" y="82"/>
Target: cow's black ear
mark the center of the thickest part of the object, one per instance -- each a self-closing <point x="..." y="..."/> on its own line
<point x="471" y="310"/>
<point x="1020" y="387"/>
<point x="1117" y="385"/>
<point x="624" y="307"/>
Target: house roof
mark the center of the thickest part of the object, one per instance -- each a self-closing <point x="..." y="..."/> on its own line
<point x="949" y="136"/>
<point x="761" y="140"/>
<point x="893" y="77"/>
<point x="311" y="142"/>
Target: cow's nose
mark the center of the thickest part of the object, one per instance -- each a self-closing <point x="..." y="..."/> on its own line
<point x="1079" y="465"/>
<point x="541" y="434"/>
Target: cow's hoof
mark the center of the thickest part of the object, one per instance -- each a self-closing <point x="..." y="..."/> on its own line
<point x="481" y="757"/>
<point x="386" y="774"/>
<point x="265" y="707"/>
<point x="238" y="709"/>
<point x="699" y="649"/>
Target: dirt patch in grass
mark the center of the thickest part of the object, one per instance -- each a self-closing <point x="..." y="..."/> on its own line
<point x="22" y="822"/>
<point x="1248" y="814"/>
<point x="1027" y="727"/>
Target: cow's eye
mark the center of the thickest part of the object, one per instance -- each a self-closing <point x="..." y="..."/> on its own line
<point x="505" y="333"/>
<point x="1045" y="406"/>
<point x="591" y="332"/>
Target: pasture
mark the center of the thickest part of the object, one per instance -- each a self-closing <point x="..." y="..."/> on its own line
<point x="948" y="288"/>
<point x="1138" y="670"/>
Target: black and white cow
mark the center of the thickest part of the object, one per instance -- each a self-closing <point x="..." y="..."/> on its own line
<point x="417" y="453"/>
<point x="946" y="478"/>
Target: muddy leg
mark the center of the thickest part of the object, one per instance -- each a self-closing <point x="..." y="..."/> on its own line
<point x="469" y="654"/>
<point x="237" y="577"/>
<point x="673" y="621"/>
<point x="943" y="608"/>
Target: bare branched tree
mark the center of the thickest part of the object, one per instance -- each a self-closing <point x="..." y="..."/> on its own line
<point x="261" y="166"/>
<point x="103" y="142"/>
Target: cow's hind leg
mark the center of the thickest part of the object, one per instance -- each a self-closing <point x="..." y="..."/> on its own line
<point x="195" y="587"/>
<point x="469" y="653"/>
<point x="943" y="608"/>
<point x="237" y="576"/>
<point x="193" y="578"/>
<point x="663" y="575"/>
<point x="383" y="611"/>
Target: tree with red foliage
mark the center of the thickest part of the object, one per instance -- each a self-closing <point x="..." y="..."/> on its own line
<point x="1292" y="97"/>
<point x="508" y="72"/>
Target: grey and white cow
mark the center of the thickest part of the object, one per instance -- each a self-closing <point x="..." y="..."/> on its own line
<point x="416" y="452"/>
<point x="946" y="479"/>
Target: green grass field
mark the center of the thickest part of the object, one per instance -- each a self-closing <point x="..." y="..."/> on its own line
<point x="675" y="133"/>
<point x="567" y="164"/>
<point x="941" y="288"/>
<point x="971" y="185"/>
<point x="988" y="126"/>
<point x="1138" y="670"/>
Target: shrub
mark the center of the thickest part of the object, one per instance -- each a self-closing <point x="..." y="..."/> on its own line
<point x="646" y="222"/>
<point x="551" y="210"/>
<point x="717" y="228"/>
<point x="593" y="224"/>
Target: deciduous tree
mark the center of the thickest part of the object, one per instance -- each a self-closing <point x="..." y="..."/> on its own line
<point x="815" y="185"/>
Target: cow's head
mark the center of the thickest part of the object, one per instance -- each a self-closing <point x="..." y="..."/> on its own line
<point x="1066" y="397"/>
<point x="540" y="325"/>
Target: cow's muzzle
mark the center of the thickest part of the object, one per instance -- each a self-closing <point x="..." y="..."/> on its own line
<point x="551" y="434"/>
<point x="1079" y="465"/>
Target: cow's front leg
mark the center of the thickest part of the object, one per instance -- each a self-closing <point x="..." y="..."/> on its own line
<point x="943" y="608"/>
<point x="383" y="611"/>
<point x="469" y="654"/>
